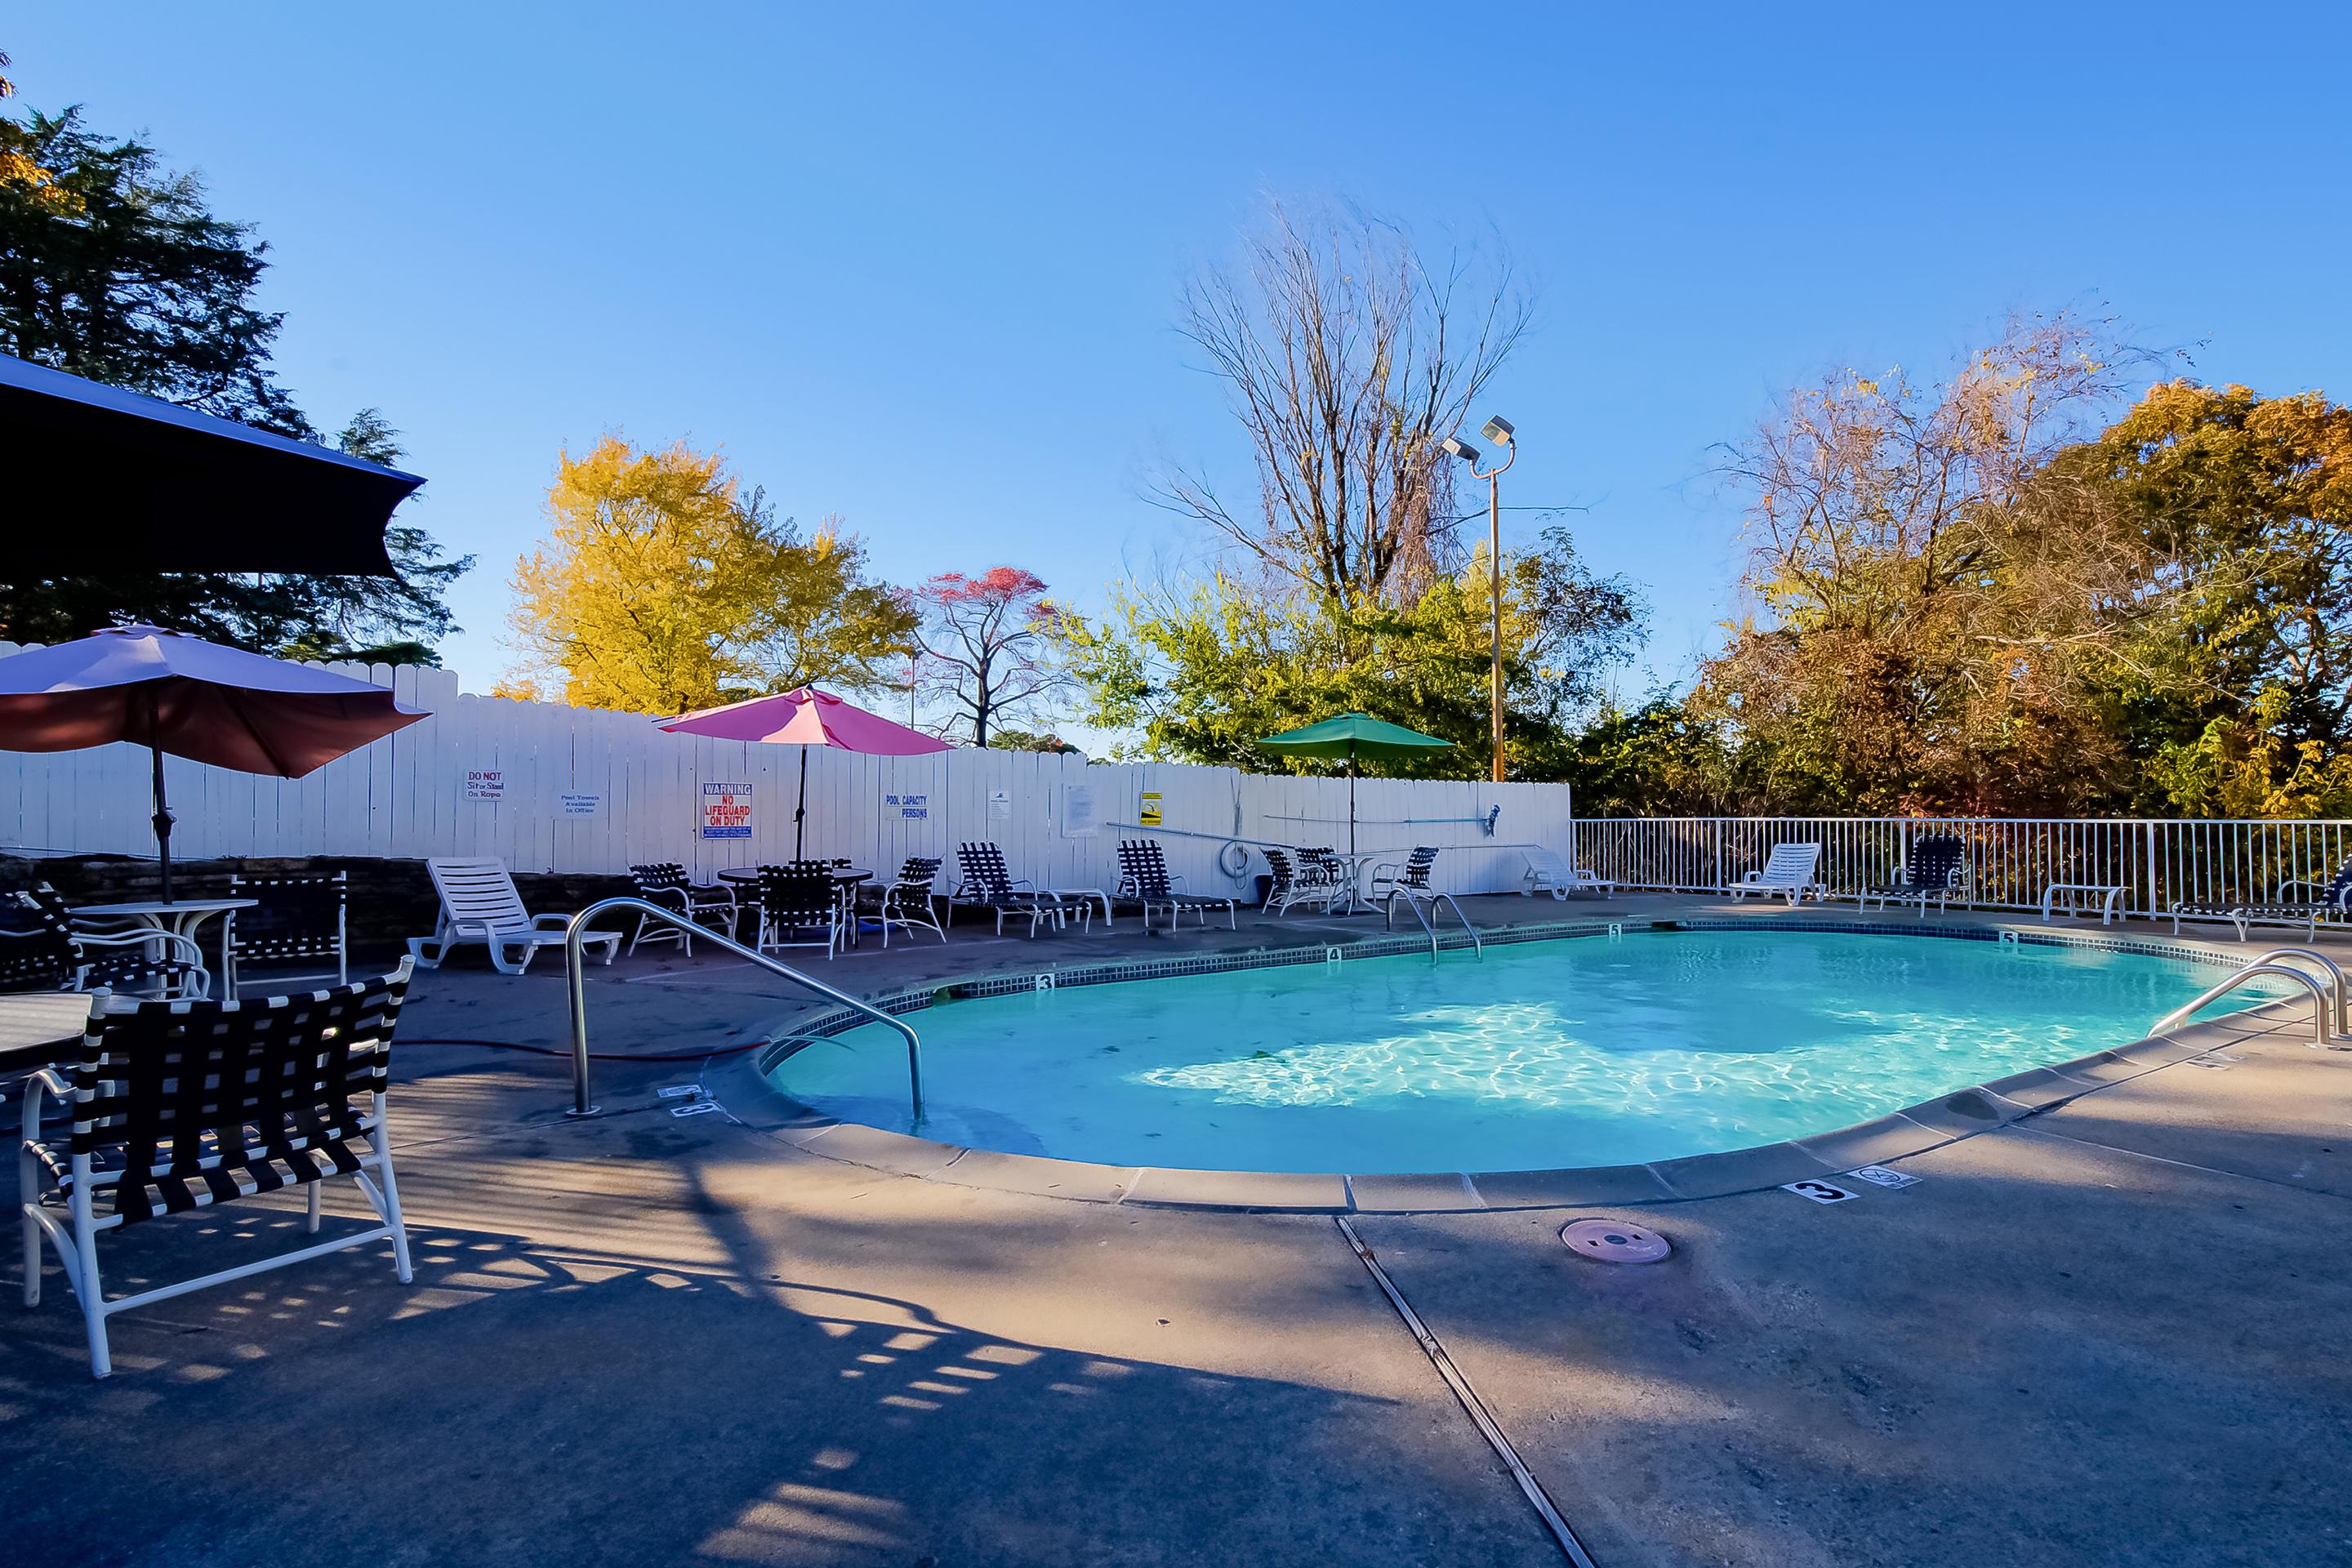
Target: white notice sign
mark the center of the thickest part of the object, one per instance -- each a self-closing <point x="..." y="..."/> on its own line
<point x="581" y="804"/>
<point x="486" y="784"/>
<point x="1077" y="811"/>
<point x="999" y="804"/>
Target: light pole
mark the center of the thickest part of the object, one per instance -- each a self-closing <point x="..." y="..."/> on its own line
<point x="1498" y="431"/>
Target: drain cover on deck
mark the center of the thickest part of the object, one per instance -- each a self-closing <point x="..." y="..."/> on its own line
<point x="1614" y="1241"/>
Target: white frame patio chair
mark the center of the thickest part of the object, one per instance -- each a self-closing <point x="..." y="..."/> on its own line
<point x="297" y="916"/>
<point x="665" y="882"/>
<point x="179" y="1106"/>
<point x="1788" y="871"/>
<point x="1287" y="885"/>
<point x="479" y="904"/>
<point x="1549" y="871"/>
<point x="910" y="900"/>
<point x="140" y="959"/>
<point x="800" y="896"/>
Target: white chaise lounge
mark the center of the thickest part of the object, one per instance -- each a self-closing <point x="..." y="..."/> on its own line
<point x="479" y="904"/>
<point x="1788" y="871"/>
<point x="1548" y="873"/>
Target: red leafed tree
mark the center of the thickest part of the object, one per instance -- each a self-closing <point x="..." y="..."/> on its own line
<point x="986" y="657"/>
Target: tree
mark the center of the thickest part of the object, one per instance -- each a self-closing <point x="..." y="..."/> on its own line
<point x="1976" y="599"/>
<point x="987" y="648"/>
<point x="1898" y="654"/>
<point x="1203" y="671"/>
<point x="1346" y="357"/>
<point x="1029" y="740"/>
<point x="2235" y="511"/>
<point x="114" y="267"/>
<point x="22" y="173"/>
<point x="666" y="587"/>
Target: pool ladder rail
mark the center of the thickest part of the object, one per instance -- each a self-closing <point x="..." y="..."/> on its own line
<point x="2331" y="998"/>
<point x="1433" y="899"/>
<point x="576" y="983"/>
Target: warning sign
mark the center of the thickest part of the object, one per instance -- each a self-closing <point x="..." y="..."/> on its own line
<point x="726" y="811"/>
<point x="1151" y="814"/>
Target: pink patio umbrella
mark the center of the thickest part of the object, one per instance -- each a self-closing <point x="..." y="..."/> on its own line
<point x="805" y="717"/>
<point x="191" y="698"/>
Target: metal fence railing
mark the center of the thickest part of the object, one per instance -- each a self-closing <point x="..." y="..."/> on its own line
<point x="2010" y="861"/>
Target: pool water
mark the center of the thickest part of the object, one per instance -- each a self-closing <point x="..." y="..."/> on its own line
<point x="1595" y="1051"/>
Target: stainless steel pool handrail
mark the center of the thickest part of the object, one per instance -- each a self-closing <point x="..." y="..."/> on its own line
<point x="2323" y="1001"/>
<point x="575" y="983"/>
<point x="1433" y="899"/>
<point x="2335" y="979"/>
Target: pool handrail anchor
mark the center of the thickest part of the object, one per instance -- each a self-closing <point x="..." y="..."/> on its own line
<point x="2322" y="999"/>
<point x="2335" y="979"/>
<point x="1433" y="898"/>
<point x="576" y="990"/>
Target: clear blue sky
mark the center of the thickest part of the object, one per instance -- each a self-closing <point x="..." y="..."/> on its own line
<point x="917" y="264"/>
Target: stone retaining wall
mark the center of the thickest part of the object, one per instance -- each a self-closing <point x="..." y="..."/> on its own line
<point x="390" y="901"/>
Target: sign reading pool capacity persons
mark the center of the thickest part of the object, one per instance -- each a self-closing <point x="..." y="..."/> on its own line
<point x="726" y="811"/>
<point x="911" y="807"/>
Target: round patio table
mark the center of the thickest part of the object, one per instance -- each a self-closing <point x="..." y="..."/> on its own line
<point x="181" y="917"/>
<point x="844" y="886"/>
<point x="38" y="1027"/>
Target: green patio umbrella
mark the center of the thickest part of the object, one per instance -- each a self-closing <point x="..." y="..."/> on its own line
<point x="1352" y="736"/>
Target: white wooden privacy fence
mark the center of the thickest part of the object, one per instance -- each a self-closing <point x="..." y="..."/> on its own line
<point x="552" y="788"/>
<point x="2009" y="859"/>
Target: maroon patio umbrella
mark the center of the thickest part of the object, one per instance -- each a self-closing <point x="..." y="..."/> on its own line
<point x="191" y="698"/>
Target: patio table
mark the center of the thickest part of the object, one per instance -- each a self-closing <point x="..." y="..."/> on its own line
<point x="1355" y="860"/>
<point x="846" y="880"/>
<point x="38" y="1027"/>
<point x="181" y="917"/>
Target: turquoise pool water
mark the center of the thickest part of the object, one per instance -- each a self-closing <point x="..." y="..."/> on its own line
<point x="1588" y="1052"/>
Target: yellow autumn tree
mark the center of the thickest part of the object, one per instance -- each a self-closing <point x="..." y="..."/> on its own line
<point x="667" y="586"/>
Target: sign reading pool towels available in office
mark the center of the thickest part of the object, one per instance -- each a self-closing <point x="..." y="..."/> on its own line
<point x="726" y="811"/>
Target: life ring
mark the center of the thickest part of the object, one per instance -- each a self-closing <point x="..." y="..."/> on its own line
<point x="1234" y="861"/>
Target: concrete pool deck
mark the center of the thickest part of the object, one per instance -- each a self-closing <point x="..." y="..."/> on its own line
<point x="2110" y="1332"/>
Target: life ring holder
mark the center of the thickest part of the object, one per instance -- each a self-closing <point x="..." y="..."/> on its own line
<point x="1233" y="860"/>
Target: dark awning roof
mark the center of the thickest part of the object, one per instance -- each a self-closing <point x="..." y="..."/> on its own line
<point x="102" y="480"/>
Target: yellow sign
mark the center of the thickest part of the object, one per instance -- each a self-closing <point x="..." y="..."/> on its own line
<point x="1150" y="817"/>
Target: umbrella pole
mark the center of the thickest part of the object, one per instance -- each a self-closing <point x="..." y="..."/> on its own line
<point x="163" y="811"/>
<point x="800" y="812"/>
<point x="1351" y="797"/>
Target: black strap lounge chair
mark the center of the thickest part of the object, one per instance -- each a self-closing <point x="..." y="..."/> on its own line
<point x="990" y="886"/>
<point x="44" y="951"/>
<point x="298" y="919"/>
<point x="2299" y="901"/>
<point x="1931" y="872"/>
<point x="1143" y="870"/>
<point x="665" y="882"/>
<point x="181" y="1105"/>
<point x="800" y="906"/>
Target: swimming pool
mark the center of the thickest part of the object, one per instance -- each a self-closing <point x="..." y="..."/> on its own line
<point x="1595" y="1051"/>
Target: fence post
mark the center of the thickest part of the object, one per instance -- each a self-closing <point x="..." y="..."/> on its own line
<point x="2148" y="879"/>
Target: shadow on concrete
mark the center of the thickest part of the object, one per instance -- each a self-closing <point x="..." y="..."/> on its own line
<point x="527" y="1403"/>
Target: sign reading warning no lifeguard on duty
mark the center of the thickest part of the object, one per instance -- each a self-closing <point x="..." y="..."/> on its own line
<point x="726" y="811"/>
